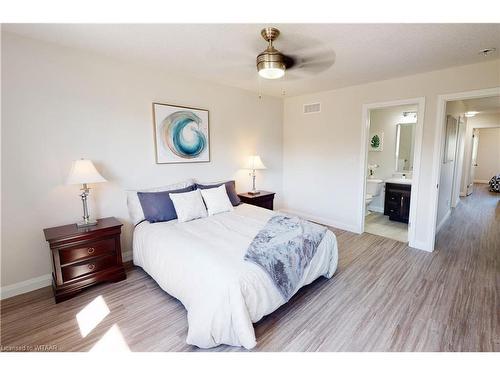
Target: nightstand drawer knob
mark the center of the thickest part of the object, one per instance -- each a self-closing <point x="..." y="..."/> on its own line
<point x="91" y="250"/>
<point x="91" y="266"/>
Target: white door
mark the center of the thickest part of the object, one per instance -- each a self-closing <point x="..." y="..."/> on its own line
<point x="475" y="143"/>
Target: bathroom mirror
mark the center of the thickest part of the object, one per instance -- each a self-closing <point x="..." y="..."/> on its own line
<point x="405" y="136"/>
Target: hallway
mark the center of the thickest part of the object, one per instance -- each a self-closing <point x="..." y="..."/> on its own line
<point x="468" y="248"/>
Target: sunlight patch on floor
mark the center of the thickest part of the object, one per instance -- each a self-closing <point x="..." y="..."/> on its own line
<point x="91" y="315"/>
<point x="112" y="341"/>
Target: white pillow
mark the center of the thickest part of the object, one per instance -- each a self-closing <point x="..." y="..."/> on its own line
<point x="216" y="200"/>
<point x="134" y="205"/>
<point x="188" y="206"/>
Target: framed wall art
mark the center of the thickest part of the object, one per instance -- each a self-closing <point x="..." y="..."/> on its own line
<point x="181" y="134"/>
<point x="376" y="141"/>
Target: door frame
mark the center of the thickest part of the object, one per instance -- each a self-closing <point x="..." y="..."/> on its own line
<point x="438" y="148"/>
<point x="456" y="164"/>
<point x="471" y="168"/>
<point x="365" y="127"/>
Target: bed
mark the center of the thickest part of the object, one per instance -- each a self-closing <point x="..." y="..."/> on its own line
<point x="201" y="263"/>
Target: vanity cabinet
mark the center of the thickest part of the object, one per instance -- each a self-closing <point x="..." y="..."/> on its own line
<point x="397" y="202"/>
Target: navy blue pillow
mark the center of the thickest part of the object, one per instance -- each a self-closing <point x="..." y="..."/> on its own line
<point x="157" y="206"/>
<point x="230" y="190"/>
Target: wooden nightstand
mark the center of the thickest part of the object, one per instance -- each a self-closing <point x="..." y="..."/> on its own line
<point x="82" y="257"/>
<point x="264" y="199"/>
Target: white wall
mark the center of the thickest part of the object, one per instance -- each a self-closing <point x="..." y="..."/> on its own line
<point x="488" y="154"/>
<point x="60" y="104"/>
<point x="386" y="120"/>
<point x="486" y="120"/>
<point x="322" y="165"/>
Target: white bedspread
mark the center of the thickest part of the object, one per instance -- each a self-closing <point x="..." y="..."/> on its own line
<point x="201" y="263"/>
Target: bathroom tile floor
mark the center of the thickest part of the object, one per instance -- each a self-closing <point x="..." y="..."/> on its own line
<point x="379" y="224"/>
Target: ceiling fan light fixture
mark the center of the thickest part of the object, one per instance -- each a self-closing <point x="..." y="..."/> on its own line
<point x="271" y="63"/>
<point x="271" y="72"/>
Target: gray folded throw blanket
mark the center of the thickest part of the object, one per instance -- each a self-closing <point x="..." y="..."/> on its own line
<point x="284" y="248"/>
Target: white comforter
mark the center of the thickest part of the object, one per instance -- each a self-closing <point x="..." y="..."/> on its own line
<point x="201" y="263"/>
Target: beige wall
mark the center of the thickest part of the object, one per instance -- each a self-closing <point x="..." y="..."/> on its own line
<point x="322" y="164"/>
<point x="488" y="154"/>
<point x="60" y="104"/>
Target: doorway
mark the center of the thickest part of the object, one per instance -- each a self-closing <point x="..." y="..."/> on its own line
<point x="475" y="143"/>
<point x="463" y="117"/>
<point x="392" y="139"/>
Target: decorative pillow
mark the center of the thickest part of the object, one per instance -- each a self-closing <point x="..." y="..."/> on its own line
<point x="230" y="190"/>
<point x="216" y="200"/>
<point x="189" y="206"/>
<point x="157" y="206"/>
<point x="134" y="205"/>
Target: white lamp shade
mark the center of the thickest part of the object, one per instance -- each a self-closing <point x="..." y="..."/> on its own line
<point x="84" y="172"/>
<point x="254" y="162"/>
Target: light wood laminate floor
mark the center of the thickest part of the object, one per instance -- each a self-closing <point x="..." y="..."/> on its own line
<point x="384" y="297"/>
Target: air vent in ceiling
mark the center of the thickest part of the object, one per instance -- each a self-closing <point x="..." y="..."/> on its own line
<point x="312" y="108"/>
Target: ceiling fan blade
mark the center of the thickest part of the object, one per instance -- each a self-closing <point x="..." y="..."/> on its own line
<point x="315" y="66"/>
<point x="289" y="61"/>
<point x="313" y="62"/>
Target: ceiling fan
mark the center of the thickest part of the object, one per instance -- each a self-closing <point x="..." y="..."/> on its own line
<point x="272" y="64"/>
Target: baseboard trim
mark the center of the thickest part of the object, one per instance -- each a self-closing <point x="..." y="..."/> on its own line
<point x="322" y="220"/>
<point x="39" y="282"/>
<point x="25" y="286"/>
<point x="421" y="245"/>
<point x="443" y="221"/>
<point x="481" y="181"/>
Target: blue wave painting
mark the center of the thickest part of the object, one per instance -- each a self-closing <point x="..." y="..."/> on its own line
<point x="183" y="135"/>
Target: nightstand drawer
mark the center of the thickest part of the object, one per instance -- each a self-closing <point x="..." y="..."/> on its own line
<point x="91" y="266"/>
<point x="90" y="249"/>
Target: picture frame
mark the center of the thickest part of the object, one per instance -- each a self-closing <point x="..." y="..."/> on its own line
<point x="181" y="134"/>
<point x="376" y="141"/>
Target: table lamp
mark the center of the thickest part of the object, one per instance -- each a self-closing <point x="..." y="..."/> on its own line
<point x="83" y="172"/>
<point x="254" y="162"/>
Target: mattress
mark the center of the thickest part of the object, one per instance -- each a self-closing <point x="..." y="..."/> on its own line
<point x="200" y="263"/>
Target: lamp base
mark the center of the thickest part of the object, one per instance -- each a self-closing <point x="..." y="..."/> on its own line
<point x="84" y="224"/>
<point x="254" y="192"/>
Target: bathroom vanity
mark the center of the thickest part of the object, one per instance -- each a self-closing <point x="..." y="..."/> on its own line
<point x="397" y="200"/>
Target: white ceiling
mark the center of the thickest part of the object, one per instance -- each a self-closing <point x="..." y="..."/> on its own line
<point x="483" y="105"/>
<point x="225" y="53"/>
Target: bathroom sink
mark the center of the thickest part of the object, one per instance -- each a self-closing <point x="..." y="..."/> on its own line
<point x="397" y="180"/>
